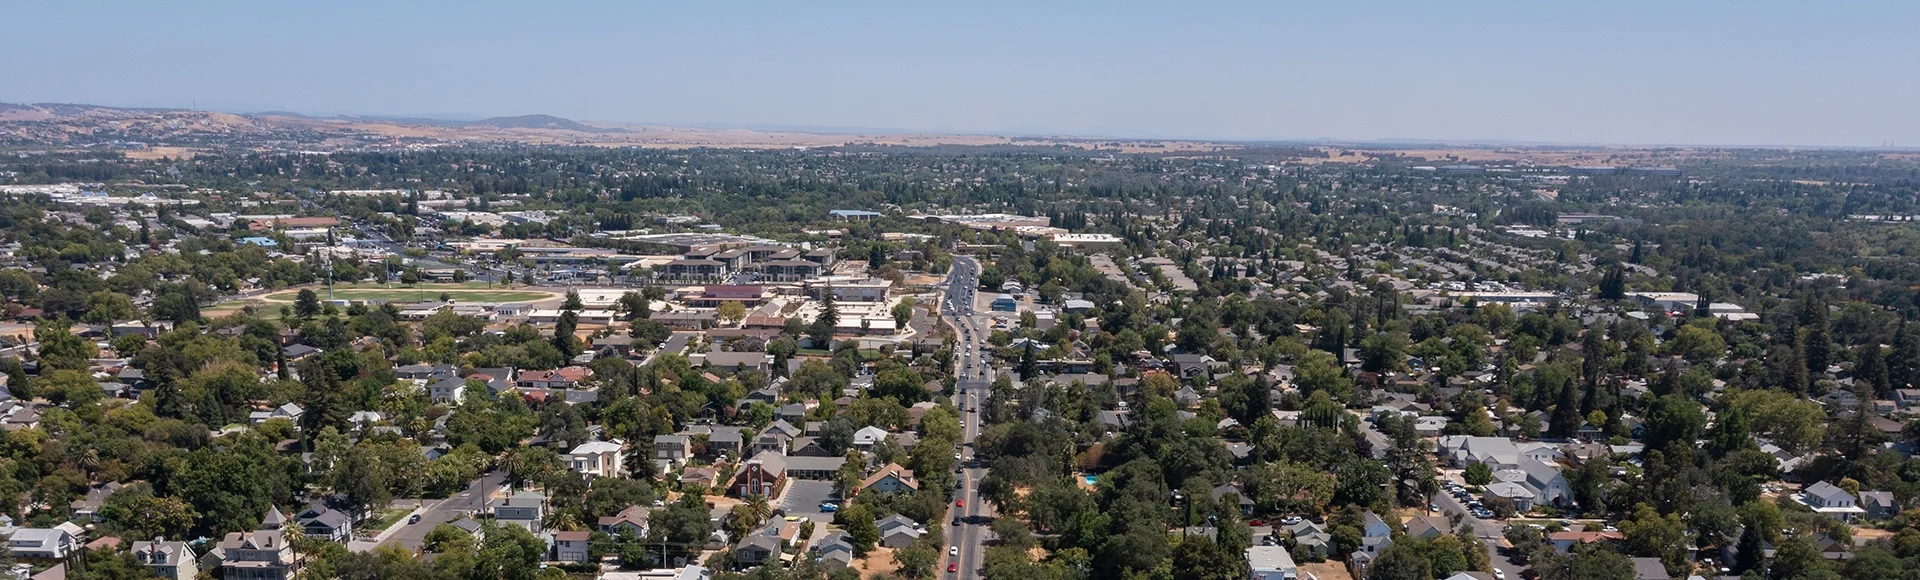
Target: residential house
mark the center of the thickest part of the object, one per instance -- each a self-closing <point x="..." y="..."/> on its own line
<point x="1650" y="569"/>
<point x="322" y="522"/>
<point x="834" y="550"/>
<point x="262" y="554"/>
<point x="560" y="378"/>
<point x="756" y="549"/>
<point x="1829" y="499"/>
<point x="734" y="362"/>
<point x="1310" y="539"/>
<point x="448" y="391"/>
<point x="169" y="560"/>
<point x="1271" y="563"/>
<point x="1549" y="485"/>
<point x="1429" y="527"/>
<point x="526" y="509"/>
<point x="599" y="459"/>
<point x="297" y="352"/>
<point x="673" y="448"/>
<point x="632" y="520"/>
<point x="1231" y="494"/>
<point x="571" y="546"/>
<point x="1879" y="505"/>
<point x="289" y="411"/>
<point x="1565" y="540"/>
<point x="868" y="436"/>
<point x="896" y="531"/>
<point x="888" y="479"/>
<point x="41" y="543"/>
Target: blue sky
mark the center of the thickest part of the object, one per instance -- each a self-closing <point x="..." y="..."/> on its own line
<point x="1733" y="73"/>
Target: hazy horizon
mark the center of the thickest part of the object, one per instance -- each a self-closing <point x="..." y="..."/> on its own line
<point x="1723" y="73"/>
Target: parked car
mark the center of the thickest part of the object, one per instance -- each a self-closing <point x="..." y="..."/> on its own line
<point x="829" y="507"/>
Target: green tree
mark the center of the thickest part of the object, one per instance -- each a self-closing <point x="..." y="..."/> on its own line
<point x="306" y="304"/>
<point x="1478" y="474"/>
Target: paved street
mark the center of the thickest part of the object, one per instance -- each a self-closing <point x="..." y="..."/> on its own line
<point x="1489" y="532"/>
<point x="468" y="502"/>
<point x="971" y="392"/>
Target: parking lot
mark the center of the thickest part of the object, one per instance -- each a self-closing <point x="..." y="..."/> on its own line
<point x="803" y="498"/>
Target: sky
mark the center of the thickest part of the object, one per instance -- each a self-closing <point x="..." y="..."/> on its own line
<point x="1619" y="72"/>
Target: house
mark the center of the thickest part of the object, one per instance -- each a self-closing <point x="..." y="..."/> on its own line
<point x="1829" y="499"/>
<point x="756" y="549"/>
<point x="896" y="531"/>
<point x="262" y="554"/>
<point x="1564" y="541"/>
<point x="763" y="474"/>
<point x="423" y="372"/>
<point x="1831" y="548"/>
<point x="888" y="479"/>
<point x="526" y="509"/>
<point x="448" y="391"/>
<point x="810" y="467"/>
<point x="298" y="351"/>
<point x="672" y="447"/>
<point x="1650" y="569"/>
<point x="728" y="440"/>
<point x="734" y="362"/>
<point x="834" y="550"/>
<point x="1515" y="492"/>
<point x="289" y="411"/>
<point x="1192" y="365"/>
<point x="88" y="508"/>
<point x="169" y="560"/>
<point x="46" y="543"/>
<point x="1429" y="527"/>
<point x="1271" y="563"/>
<point x="560" y="378"/>
<point x="1880" y="505"/>
<point x="320" y="521"/>
<point x="1310" y="539"/>
<point x="1232" y="495"/>
<point x="571" y="546"/>
<point x="599" y="459"/>
<point x="632" y="520"/>
<point x="868" y="436"/>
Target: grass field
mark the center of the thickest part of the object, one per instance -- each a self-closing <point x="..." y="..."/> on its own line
<point x="461" y="292"/>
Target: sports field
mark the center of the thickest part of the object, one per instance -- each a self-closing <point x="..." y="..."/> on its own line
<point x="460" y="292"/>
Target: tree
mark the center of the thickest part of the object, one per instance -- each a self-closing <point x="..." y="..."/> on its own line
<point x="731" y="311"/>
<point x="61" y="349"/>
<point x="903" y="312"/>
<point x="306" y="303"/>
<point x="572" y="301"/>
<point x="635" y="305"/>
<point x="1652" y="535"/>
<point x="1478" y="474"/>
<point x="107" y="306"/>
<point x="858" y="521"/>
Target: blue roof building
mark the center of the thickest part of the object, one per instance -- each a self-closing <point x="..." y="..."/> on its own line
<point x="263" y="242"/>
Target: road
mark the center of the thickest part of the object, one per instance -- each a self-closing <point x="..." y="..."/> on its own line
<point x="972" y="366"/>
<point x="1489" y="532"/>
<point x="468" y="502"/>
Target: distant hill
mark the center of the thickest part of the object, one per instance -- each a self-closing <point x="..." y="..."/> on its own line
<point x="537" y="122"/>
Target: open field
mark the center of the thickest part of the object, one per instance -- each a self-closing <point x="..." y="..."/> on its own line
<point x="419" y="292"/>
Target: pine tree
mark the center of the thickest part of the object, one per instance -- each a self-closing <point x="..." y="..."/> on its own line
<point x="1902" y="362"/>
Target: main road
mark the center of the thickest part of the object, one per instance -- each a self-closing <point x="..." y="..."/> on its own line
<point x="467" y="503"/>
<point x="966" y="538"/>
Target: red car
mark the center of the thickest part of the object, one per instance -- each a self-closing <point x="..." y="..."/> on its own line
<point x="959" y="503"/>
<point x="953" y="566"/>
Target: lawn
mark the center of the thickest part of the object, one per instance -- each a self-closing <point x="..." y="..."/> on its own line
<point x="463" y="292"/>
<point x="385" y="518"/>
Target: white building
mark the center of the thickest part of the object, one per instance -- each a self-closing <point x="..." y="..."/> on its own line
<point x="1271" y="563"/>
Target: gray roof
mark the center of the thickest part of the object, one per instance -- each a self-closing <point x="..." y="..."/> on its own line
<point x="1828" y="492"/>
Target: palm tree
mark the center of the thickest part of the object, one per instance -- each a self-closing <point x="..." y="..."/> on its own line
<point x="760" y="508"/>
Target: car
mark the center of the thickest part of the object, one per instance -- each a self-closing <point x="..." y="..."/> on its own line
<point x="953" y="550"/>
<point x="1290" y="520"/>
<point x="956" y="520"/>
<point x="1433" y="508"/>
<point x="959" y="503"/>
<point x="413" y="520"/>
<point x="953" y="566"/>
<point x="829" y="507"/>
<point x="1499" y="574"/>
